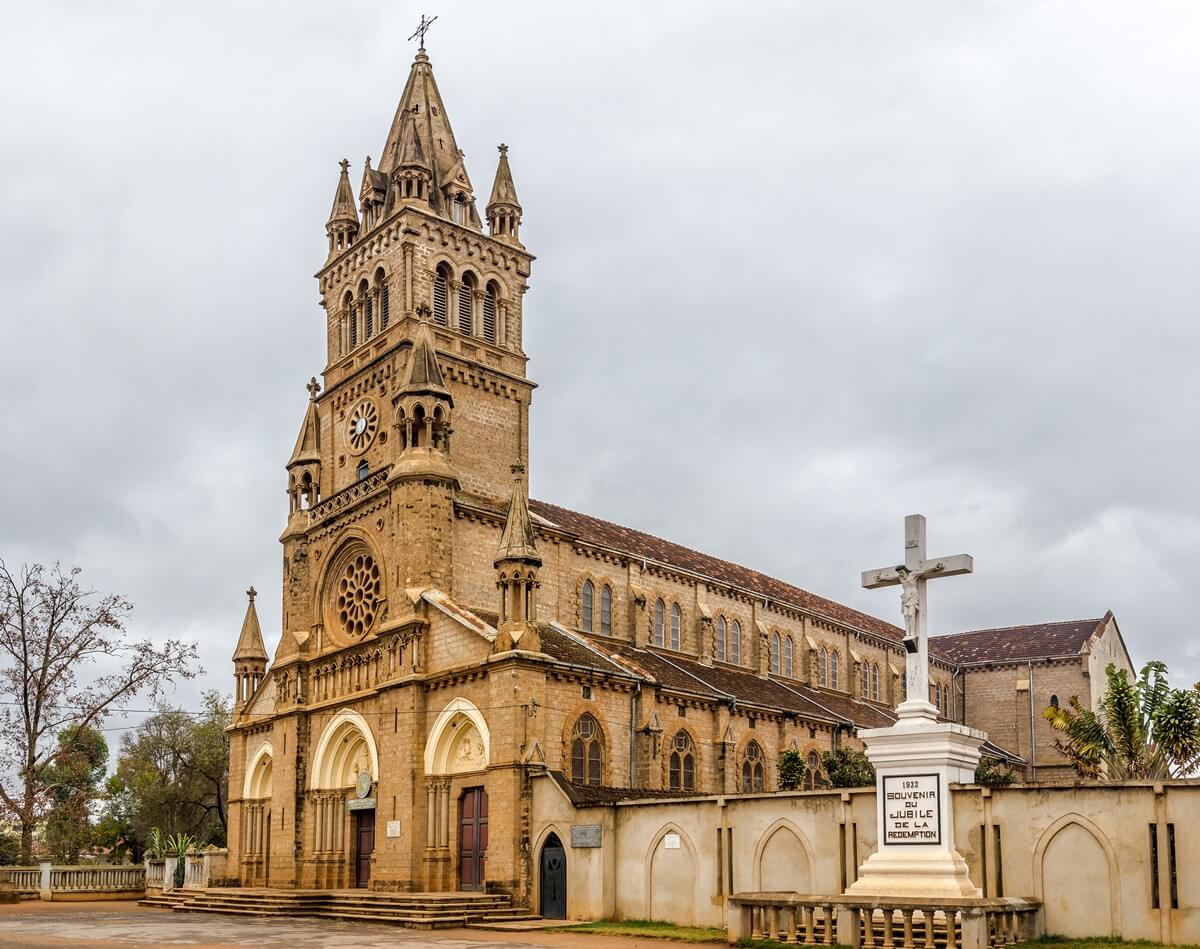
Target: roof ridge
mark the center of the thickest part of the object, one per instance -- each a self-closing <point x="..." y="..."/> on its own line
<point x="864" y="621"/>
<point x="1005" y="629"/>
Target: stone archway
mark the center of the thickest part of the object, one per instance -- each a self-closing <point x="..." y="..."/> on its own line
<point x="345" y="754"/>
<point x="346" y="748"/>
<point x="783" y="859"/>
<point x="457" y="753"/>
<point x="256" y="817"/>
<point x="1077" y="878"/>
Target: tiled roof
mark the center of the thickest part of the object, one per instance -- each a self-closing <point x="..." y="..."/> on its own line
<point x="584" y="795"/>
<point x="640" y="545"/>
<point x="567" y="648"/>
<point x="682" y="673"/>
<point x="1015" y="643"/>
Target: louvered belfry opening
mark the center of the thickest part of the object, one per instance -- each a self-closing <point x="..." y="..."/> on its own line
<point x="441" y="297"/>
<point x="489" y="313"/>
<point x="466" y="301"/>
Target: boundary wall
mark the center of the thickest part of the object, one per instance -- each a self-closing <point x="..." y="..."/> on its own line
<point x="1102" y="859"/>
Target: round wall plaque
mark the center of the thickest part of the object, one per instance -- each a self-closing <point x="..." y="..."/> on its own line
<point x="363" y="787"/>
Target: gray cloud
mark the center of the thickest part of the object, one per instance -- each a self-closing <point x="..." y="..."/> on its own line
<point x="802" y="270"/>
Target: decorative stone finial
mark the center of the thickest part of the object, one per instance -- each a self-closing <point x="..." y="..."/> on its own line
<point x="252" y="593"/>
<point x="503" y="150"/>
<point x="345" y="165"/>
<point x="313" y="388"/>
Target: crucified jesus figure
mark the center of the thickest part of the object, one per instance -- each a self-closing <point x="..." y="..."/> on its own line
<point x="910" y="606"/>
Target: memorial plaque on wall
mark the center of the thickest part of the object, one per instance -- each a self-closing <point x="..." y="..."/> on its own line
<point x="912" y="810"/>
<point x="585" y="835"/>
<point x="393" y="828"/>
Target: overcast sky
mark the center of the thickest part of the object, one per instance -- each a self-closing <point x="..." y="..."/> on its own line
<point x="803" y="268"/>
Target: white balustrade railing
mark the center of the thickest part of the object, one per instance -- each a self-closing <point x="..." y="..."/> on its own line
<point x="154" y="874"/>
<point x="26" y="879"/>
<point x="97" y="879"/>
<point x="880" y="922"/>
<point x="195" y="872"/>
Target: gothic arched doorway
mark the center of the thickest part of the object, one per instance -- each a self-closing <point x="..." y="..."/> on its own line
<point x="472" y="838"/>
<point x="553" y="879"/>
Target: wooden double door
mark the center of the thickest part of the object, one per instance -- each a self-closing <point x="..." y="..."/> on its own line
<point x="364" y="846"/>
<point x="472" y="838"/>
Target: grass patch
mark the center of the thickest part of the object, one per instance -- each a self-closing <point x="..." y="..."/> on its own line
<point x="649" y="929"/>
<point x="1099" y="942"/>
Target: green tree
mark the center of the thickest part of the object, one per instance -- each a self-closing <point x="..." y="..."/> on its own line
<point x="994" y="774"/>
<point x="10" y="847"/>
<point x="791" y="770"/>
<point x="172" y="773"/>
<point x="72" y="782"/>
<point x="65" y="661"/>
<point x="1140" y="730"/>
<point x="847" y="768"/>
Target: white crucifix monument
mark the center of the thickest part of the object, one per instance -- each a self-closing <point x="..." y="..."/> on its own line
<point x="917" y="759"/>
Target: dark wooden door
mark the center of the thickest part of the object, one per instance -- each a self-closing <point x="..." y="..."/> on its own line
<point x="472" y="838"/>
<point x="554" y="879"/>
<point x="364" y="846"/>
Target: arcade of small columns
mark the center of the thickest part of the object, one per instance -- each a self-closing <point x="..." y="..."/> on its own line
<point x="458" y="746"/>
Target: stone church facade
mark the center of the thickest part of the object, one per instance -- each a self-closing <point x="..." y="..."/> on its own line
<point x="445" y="639"/>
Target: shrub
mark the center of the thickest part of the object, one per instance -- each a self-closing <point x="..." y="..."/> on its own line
<point x="847" y="768"/>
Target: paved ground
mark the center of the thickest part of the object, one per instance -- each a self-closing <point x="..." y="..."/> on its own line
<point x="113" y="925"/>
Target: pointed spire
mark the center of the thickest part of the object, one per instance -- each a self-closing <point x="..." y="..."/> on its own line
<point x="421" y="124"/>
<point x="503" y="209"/>
<point x="308" y="443"/>
<point x="423" y="375"/>
<point x="250" y="643"/>
<point x="503" y="189"/>
<point x="517" y="540"/>
<point x="344" y="211"/>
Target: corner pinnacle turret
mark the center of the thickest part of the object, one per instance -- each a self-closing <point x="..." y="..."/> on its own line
<point x="342" y="226"/>
<point x="503" y="208"/>
<point x="250" y="656"/>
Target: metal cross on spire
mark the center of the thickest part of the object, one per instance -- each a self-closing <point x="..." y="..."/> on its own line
<point x="911" y="576"/>
<point x="422" y="30"/>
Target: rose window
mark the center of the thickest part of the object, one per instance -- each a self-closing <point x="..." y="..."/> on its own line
<point x="358" y="595"/>
<point x="364" y="422"/>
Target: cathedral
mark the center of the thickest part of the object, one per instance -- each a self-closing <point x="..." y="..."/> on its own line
<point x="446" y="641"/>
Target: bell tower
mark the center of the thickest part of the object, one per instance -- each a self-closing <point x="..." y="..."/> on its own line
<point x="417" y="249"/>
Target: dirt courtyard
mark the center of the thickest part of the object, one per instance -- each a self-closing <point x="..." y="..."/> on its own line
<point x="36" y="925"/>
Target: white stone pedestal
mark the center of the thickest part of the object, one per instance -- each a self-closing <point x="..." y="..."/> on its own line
<point x="916" y="760"/>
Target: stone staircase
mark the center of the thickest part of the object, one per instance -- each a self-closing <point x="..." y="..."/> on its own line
<point x="413" y="910"/>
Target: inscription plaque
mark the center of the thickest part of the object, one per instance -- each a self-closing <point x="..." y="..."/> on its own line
<point x="585" y="835"/>
<point x="912" y="810"/>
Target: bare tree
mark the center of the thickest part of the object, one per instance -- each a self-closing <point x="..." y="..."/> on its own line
<point x="66" y="662"/>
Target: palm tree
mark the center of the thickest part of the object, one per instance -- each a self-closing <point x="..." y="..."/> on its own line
<point x="1141" y="730"/>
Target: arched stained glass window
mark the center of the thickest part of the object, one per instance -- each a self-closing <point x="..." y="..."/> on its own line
<point x="789" y="660"/>
<point x="823" y="667"/>
<point x="735" y="643"/>
<point x="587" y="606"/>
<point x="606" y="610"/>
<point x="721" y="634"/>
<point x="835" y="662"/>
<point x="659" y="618"/>
<point x="753" y="773"/>
<point x="676" y="627"/>
<point x="774" y="658"/>
<point x="587" y="751"/>
<point x="682" y="763"/>
<point x="874" y="682"/>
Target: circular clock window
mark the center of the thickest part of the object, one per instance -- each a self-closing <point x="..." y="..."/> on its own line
<point x="362" y="426"/>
